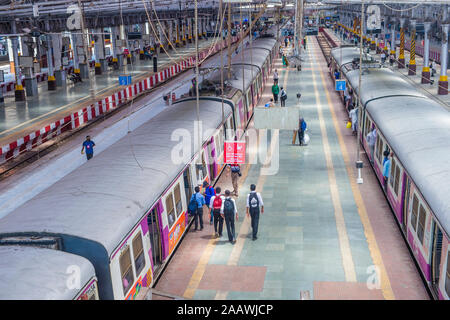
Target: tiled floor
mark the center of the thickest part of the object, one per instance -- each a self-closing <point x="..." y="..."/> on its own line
<point x="310" y="237"/>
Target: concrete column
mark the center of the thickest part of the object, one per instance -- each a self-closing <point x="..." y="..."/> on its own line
<point x="177" y="31"/>
<point x="183" y="31"/>
<point x="73" y="45"/>
<point x="59" y="73"/>
<point x="393" y="39"/>
<point x="190" y="30"/>
<point x="412" y="57"/>
<point x="401" y="57"/>
<point x="19" y="90"/>
<point x="161" y="39"/>
<point x="426" y="54"/>
<point x="51" y="81"/>
<point x="443" y="79"/>
<point x="169" y="33"/>
<point x="141" y="42"/>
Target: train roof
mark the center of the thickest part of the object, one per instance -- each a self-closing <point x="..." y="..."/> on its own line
<point x="264" y="43"/>
<point x="30" y="273"/>
<point x="418" y="130"/>
<point x="103" y="199"/>
<point x="344" y="55"/>
<point x="259" y="57"/>
<point x="380" y="82"/>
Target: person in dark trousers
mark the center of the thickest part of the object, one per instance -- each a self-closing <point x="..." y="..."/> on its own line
<point x="283" y="97"/>
<point x="215" y="205"/>
<point x="255" y="205"/>
<point x="301" y="130"/>
<point x="200" y="203"/>
<point x="228" y="212"/>
<point x="275" y="92"/>
<point x="209" y="192"/>
<point x="89" y="145"/>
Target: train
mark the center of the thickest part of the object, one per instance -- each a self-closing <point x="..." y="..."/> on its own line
<point x="416" y="130"/>
<point x="117" y="220"/>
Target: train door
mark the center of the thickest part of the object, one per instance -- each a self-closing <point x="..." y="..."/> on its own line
<point x="154" y="229"/>
<point x="211" y="159"/>
<point x="436" y="259"/>
<point x="187" y="183"/>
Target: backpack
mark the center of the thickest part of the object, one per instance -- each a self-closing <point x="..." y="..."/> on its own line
<point x="192" y="207"/>
<point x="235" y="168"/>
<point x="253" y="202"/>
<point x="217" y="203"/>
<point x="228" y="207"/>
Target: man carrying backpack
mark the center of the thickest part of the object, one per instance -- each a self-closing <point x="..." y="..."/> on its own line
<point x="254" y="206"/>
<point x="195" y="207"/>
<point x="215" y="205"/>
<point x="228" y="211"/>
<point x="235" y="174"/>
<point x="209" y="192"/>
<point x="283" y="97"/>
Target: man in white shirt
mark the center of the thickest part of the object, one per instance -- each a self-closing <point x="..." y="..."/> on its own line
<point x="275" y="76"/>
<point x="255" y="205"/>
<point x="228" y="211"/>
<point x="371" y="140"/>
<point x="216" y="205"/>
<point x="354" y="118"/>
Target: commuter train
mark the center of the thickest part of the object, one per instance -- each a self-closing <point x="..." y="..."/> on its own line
<point x="120" y="216"/>
<point x="416" y="130"/>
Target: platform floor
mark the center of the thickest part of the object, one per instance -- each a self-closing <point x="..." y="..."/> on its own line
<point x="16" y="118"/>
<point x="430" y="90"/>
<point x="321" y="234"/>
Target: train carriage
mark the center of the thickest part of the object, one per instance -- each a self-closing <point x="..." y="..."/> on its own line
<point x="417" y="131"/>
<point x="56" y="275"/>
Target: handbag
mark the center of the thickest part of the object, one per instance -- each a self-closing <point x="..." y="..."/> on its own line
<point x="349" y="124"/>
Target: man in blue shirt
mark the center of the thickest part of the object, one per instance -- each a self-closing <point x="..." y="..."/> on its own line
<point x="209" y="192"/>
<point x="89" y="145"/>
<point x="386" y="170"/>
<point x="200" y="203"/>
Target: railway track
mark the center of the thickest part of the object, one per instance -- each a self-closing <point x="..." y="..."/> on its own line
<point x="325" y="45"/>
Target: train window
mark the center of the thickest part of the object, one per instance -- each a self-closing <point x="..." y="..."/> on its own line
<point x="379" y="149"/>
<point x="178" y="203"/>
<point x="414" y="211"/>
<point x="421" y="224"/>
<point x="138" y="253"/>
<point x="397" y="179"/>
<point x="447" y="279"/>
<point x="392" y="173"/>
<point x="170" y="210"/>
<point x="126" y="270"/>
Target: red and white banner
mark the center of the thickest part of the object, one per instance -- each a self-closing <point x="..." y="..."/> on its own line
<point x="234" y="152"/>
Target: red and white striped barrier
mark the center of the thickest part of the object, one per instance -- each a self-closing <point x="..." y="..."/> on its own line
<point x="92" y="111"/>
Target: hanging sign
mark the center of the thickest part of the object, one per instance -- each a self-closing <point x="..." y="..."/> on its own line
<point x="234" y="152"/>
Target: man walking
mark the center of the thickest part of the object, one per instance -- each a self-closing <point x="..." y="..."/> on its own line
<point x="283" y="97"/>
<point x="209" y="192"/>
<point x="275" y="76"/>
<point x="229" y="211"/>
<point x="89" y="145"/>
<point x="235" y="174"/>
<point x="215" y="205"/>
<point x="200" y="203"/>
<point x="301" y="131"/>
<point x="275" y="92"/>
<point x="255" y="205"/>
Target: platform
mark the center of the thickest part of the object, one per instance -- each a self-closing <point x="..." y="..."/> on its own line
<point x="19" y="118"/>
<point x="321" y="234"/>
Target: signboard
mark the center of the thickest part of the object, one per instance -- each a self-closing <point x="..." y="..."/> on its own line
<point x="234" y="152"/>
<point x="340" y="85"/>
<point x="124" y="80"/>
<point x="26" y="62"/>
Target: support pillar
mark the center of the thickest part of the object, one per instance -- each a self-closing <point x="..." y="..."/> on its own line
<point x="401" y="57"/>
<point x="393" y="39"/>
<point x="19" y="92"/>
<point x="190" y="30"/>
<point x="59" y="73"/>
<point x="412" y="57"/>
<point x="51" y="81"/>
<point x="443" y="79"/>
<point x="177" y="30"/>
<point x="183" y="24"/>
<point x="426" y="54"/>
<point x="115" y="60"/>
